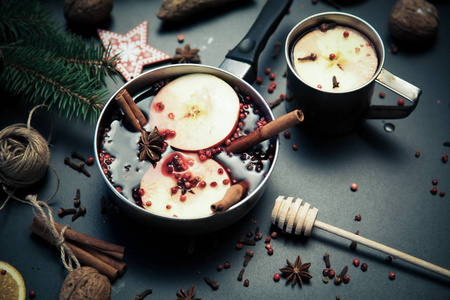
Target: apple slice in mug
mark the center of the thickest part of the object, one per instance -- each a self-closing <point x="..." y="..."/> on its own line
<point x="201" y="109"/>
<point x="183" y="186"/>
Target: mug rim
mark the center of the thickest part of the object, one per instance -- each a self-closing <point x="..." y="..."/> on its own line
<point x="315" y="21"/>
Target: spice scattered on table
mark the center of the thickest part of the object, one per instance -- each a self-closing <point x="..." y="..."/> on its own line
<point x="142" y="295"/>
<point x="186" y="55"/>
<point x="354" y="187"/>
<point x="392" y="276"/>
<point x="187" y="295"/>
<point x="296" y="272"/>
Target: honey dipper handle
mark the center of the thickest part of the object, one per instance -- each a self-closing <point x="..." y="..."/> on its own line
<point x="383" y="248"/>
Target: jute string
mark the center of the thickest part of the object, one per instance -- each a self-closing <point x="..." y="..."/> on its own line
<point x="24" y="159"/>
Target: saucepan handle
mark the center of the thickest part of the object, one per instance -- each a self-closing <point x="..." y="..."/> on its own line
<point x="248" y="50"/>
<point x="401" y="87"/>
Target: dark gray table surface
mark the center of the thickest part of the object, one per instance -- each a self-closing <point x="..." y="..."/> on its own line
<point x="393" y="195"/>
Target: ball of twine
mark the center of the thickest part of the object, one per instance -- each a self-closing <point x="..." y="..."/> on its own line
<point x="24" y="156"/>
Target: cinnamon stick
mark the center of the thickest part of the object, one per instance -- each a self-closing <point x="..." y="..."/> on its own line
<point x="267" y="131"/>
<point x="114" y="250"/>
<point x="134" y="108"/>
<point x="130" y="110"/>
<point x="234" y="194"/>
<point x="85" y="258"/>
<point x="115" y="263"/>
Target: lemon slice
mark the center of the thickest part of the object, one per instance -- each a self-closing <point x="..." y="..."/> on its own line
<point x="12" y="286"/>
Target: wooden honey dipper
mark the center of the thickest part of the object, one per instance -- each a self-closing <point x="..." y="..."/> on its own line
<point x="297" y="218"/>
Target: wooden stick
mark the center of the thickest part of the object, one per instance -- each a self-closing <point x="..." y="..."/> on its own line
<point x="134" y="108"/>
<point x="265" y="132"/>
<point x="383" y="248"/>
<point x="234" y="194"/>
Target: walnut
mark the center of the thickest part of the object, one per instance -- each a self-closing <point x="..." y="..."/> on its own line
<point x="413" y="21"/>
<point x="87" y="11"/>
<point x="85" y="283"/>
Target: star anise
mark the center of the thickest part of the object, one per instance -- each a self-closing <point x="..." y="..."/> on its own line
<point x="187" y="55"/>
<point x="150" y="145"/>
<point x="189" y="295"/>
<point x="296" y="272"/>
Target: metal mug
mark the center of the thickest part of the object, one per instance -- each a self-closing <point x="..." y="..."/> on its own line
<point x="340" y="112"/>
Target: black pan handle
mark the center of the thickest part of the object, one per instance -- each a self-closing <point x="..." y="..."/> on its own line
<point x="251" y="46"/>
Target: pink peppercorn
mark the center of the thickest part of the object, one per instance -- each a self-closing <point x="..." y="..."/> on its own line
<point x="259" y="80"/>
<point x="434" y="181"/>
<point x="227" y="265"/>
<point x="345" y="34"/>
<point x="444" y="158"/>
<point x="219" y="267"/>
<point x="382" y="95"/>
<point x="346" y="279"/>
<point x="358" y="217"/>
<point x="354" y="186"/>
<point x="277" y="277"/>
<point x="180" y="38"/>
<point x="270" y="89"/>
<point x="287" y="134"/>
<point x="356" y="262"/>
<point x="272" y="76"/>
<point x="295" y="147"/>
<point x="364" y="267"/>
<point x="417" y="154"/>
<point x="433" y="190"/>
<point x="331" y="273"/>
<point x="267" y="240"/>
<point x="90" y="161"/>
<point x="32" y="294"/>
<point x="270" y="251"/>
<point x="239" y="246"/>
<point x="274" y="234"/>
<point x="267" y="71"/>
<point x="246" y="282"/>
<point x="325" y="272"/>
<point x="442" y="193"/>
<point x="332" y="56"/>
<point x="392" y="276"/>
<point x="401" y="101"/>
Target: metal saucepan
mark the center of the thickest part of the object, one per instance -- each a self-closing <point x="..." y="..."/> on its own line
<point x="238" y="70"/>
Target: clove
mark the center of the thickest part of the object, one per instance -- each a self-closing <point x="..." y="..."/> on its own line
<point x="241" y="274"/>
<point x="327" y="26"/>
<point x="248" y="257"/>
<point x="245" y="241"/>
<point x="78" y="167"/>
<point x="78" y="156"/>
<point x="144" y="294"/>
<point x="258" y="235"/>
<point x="276" y="50"/>
<point x="335" y="82"/>
<point x="82" y="169"/>
<point x="76" y="200"/>
<point x="276" y="102"/>
<point x="354" y="244"/>
<point x="326" y="257"/>
<point x="213" y="284"/>
<point x="64" y="212"/>
<point x="311" y="57"/>
<point x="80" y="212"/>
<point x="338" y="279"/>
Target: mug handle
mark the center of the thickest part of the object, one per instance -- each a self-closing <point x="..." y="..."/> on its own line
<point x="399" y="86"/>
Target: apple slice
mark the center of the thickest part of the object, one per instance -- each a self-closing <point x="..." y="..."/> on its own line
<point x="341" y="52"/>
<point x="183" y="186"/>
<point x="201" y="109"/>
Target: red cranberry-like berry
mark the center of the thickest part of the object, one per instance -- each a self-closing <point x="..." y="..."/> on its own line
<point x="346" y="34"/>
<point x="268" y="245"/>
<point x="319" y="86"/>
<point x="274" y="235"/>
<point x="382" y="95"/>
<point x="417" y="154"/>
<point x="168" y="206"/>
<point x="227" y="265"/>
<point x="267" y="71"/>
<point x="434" y="182"/>
<point x="118" y="188"/>
<point x="400" y="102"/>
<point x="364" y="267"/>
<point x="294" y="147"/>
<point x="356" y="262"/>
<point x="433" y="190"/>
<point x="346" y="279"/>
<point x="358" y="217"/>
<point x="32" y="294"/>
<point x="287" y="134"/>
<point x="183" y="198"/>
<point x="442" y="193"/>
<point x="267" y="240"/>
<point x="331" y="273"/>
<point x="392" y="276"/>
<point x="354" y="187"/>
<point x="276" y="277"/>
<point x="180" y="38"/>
<point x="270" y="89"/>
<point x="239" y="246"/>
<point x="174" y="190"/>
<point x="219" y="267"/>
<point x="259" y="80"/>
<point x="246" y="282"/>
<point x="270" y="251"/>
<point x="148" y="203"/>
<point x="332" y="56"/>
<point x="250" y="234"/>
<point x="444" y="158"/>
<point x="90" y="161"/>
<point x="325" y="272"/>
<point x="272" y="76"/>
<point x="213" y="184"/>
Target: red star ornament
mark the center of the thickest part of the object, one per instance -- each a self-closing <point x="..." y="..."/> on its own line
<point x="133" y="50"/>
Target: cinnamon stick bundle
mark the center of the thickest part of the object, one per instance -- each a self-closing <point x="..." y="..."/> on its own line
<point x="265" y="132"/>
<point x="131" y="110"/>
<point x="92" y="252"/>
<point x="234" y="194"/>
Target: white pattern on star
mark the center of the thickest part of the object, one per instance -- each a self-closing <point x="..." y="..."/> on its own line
<point x="133" y="50"/>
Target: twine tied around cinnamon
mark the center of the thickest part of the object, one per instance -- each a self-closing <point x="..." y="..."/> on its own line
<point x="24" y="157"/>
